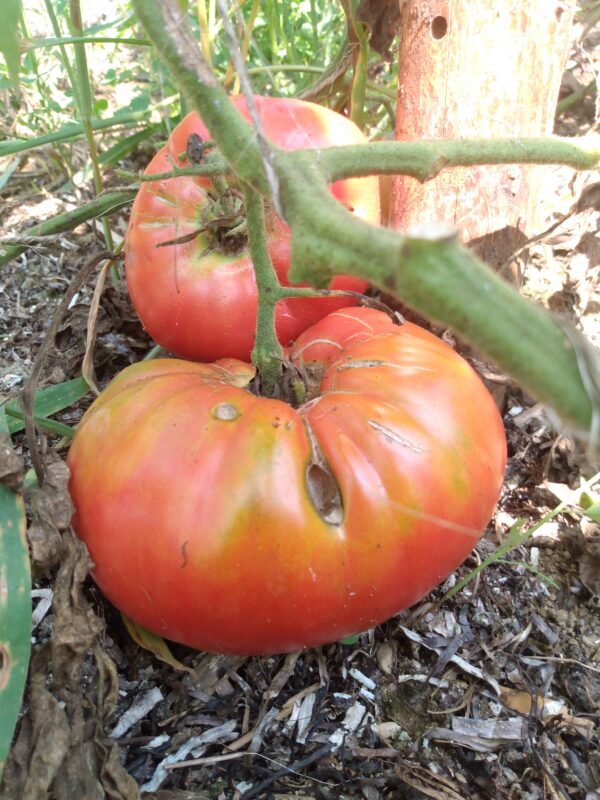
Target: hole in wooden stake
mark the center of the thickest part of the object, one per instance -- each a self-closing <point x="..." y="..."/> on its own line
<point x="439" y="27"/>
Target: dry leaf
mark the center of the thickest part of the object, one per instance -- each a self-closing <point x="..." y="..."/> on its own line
<point x="155" y="644"/>
<point x="382" y="18"/>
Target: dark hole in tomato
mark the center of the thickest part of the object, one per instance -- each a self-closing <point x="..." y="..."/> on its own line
<point x="439" y="27"/>
<point x="325" y="494"/>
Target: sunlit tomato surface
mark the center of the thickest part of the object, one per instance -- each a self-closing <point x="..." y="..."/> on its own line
<point x="198" y="302"/>
<point x="240" y="524"/>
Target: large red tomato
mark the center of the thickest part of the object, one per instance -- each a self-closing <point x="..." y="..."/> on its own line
<point x="238" y="524"/>
<point x="200" y="303"/>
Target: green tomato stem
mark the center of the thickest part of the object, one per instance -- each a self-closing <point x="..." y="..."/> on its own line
<point x="443" y="280"/>
<point x="434" y="274"/>
<point x="267" y="354"/>
<point x="425" y="159"/>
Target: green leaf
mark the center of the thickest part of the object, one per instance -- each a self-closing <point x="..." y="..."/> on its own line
<point x="155" y="644"/>
<point x="47" y="402"/>
<point x="15" y="614"/>
<point x="592" y="510"/>
<point x="8" y="172"/>
<point x="350" y="639"/>
<point x="9" y="39"/>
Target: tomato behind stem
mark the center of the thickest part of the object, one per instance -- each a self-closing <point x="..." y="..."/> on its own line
<point x="198" y="300"/>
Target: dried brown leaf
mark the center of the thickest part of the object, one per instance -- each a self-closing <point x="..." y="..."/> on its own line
<point x="382" y="17"/>
<point x="51" y="512"/>
<point x="11" y="465"/>
<point x="62" y="749"/>
<point x="42" y="742"/>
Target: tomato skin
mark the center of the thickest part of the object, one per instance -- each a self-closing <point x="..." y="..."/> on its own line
<point x="194" y="497"/>
<point x="202" y="305"/>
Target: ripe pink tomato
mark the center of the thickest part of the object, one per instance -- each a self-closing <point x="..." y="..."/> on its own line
<point x="239" y="524"/>
<point x="198" y="302"/>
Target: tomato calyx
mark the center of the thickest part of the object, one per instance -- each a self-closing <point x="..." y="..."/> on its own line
<point x="225" y="226"/>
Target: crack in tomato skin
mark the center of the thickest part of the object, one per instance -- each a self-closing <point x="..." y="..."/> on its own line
<point x="381" y="483"/>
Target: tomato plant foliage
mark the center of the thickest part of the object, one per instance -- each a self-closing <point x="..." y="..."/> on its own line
<point x="191" y="280"/>
<point x="240" y="524"/>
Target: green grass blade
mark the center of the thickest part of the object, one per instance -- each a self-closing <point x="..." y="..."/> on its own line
<point x="84" y="101"/>
<point x="68" y="67"/>
<point x="8" y="172"/>
<point x="107" y="203"/>
<point x="57" y="41"/>
<point x="15" y="614"/>
<point x="47" y="402"/>
<point x="9" y="39"/>
<point x="71" y="131"/>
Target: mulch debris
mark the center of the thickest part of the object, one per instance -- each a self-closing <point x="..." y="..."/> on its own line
<point x="493" y="693"/>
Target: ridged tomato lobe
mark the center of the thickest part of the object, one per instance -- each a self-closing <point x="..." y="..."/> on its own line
<point x="239" y="524"/>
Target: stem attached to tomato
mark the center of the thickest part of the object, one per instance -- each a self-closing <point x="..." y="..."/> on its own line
<point x="442" y="279"/>
<point x="434" y="274"/>
<point x="267" y="353"/>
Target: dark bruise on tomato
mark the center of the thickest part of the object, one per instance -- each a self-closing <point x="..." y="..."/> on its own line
<point x="197" y="295"/>
<point x="239" y="524"/>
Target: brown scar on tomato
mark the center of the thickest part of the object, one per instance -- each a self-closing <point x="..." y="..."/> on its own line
<point x="321" y="484"/>
<point x="184" y="554"/>
<point x="365" y="363"/>
<point x="395" y="438"/>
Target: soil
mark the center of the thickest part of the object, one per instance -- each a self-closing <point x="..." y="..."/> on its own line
<point x="491" y="693"/>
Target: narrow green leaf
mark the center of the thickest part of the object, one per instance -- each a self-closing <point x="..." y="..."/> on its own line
<point x="15" y="614"/>
<point x="9" y="39"/>
<point x="8" y="172"/>
<point x="593" y="511"/>
<point x="71" y="131"/>
<point x="107" y="203"/>
<point x="47" y="402"/>
<point x="3" y="420"/>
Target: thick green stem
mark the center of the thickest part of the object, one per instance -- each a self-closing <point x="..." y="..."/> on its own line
<point x="435" y="275"/>
<point x="166" y="26"/>
<point x="267" y="354"/>
<point x="424" y="160"/>
<point x="443" y="280"/>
